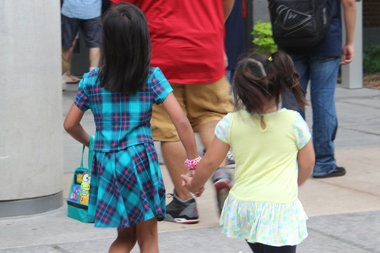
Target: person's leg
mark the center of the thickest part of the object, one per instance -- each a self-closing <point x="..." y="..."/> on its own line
<point x="262" y="248"/>
<point x="67" y="55"/>
<point x="182" y="208"/>
<point x="91" y="29"/>
<point x="147" y="236"/>
<point x="94" y="55"/>
<point x="172" y="149"/>
<point x="256" y="247"/>
<point x="207" y="104"/>
<point x="69" y="27"/>
<point x="174" y="155"/>
<point x="125" y="241"/>
<point x="324" y="73"/>
<point x="206" y="132"/>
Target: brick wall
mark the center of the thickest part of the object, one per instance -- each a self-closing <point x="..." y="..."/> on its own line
<point x="371" y="13"/>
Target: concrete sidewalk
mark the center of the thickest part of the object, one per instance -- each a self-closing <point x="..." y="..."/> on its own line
<point x="344" y="212"/>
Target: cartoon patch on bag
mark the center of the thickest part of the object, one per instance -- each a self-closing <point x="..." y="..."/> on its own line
<point x="85" y="189"/>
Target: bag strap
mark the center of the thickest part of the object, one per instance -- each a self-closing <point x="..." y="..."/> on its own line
<point x="334" y="6"/>
<point x="81" y="161"/>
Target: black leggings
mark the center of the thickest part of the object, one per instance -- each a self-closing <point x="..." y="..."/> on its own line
<point x="262" y="248"/>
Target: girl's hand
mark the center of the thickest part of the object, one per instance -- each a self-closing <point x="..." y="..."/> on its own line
<point x="186" y="182"/>
<point x="190" y="173"/>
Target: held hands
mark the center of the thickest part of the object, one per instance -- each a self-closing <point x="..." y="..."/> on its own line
<point x="187" y="179"/>
<point x="187" y="182"/>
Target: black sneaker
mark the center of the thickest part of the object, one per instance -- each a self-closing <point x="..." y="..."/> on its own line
<point x="338" y="172"/>
<point x="222" y="183"/>
<point x="184" y="212"/>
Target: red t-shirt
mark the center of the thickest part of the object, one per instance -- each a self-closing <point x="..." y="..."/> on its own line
<point x="187" y="38"/>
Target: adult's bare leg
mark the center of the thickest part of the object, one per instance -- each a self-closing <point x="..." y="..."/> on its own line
<point x="67" y="55"/>
<point x="206" y="133"/>
<point x="174" y="156"/>
<point x="94" y="54"/>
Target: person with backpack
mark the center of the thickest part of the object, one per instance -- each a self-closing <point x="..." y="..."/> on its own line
<point x="311" y="33"/>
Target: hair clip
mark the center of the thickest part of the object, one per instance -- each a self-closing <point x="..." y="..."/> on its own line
<point x="270" y="58"/>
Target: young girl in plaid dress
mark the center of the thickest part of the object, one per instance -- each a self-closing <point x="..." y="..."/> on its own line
<point x="273" y="153"/>
<point x="127" y="190"/>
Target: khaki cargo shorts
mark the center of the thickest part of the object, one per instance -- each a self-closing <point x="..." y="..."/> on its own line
<point x="202" y="103"/>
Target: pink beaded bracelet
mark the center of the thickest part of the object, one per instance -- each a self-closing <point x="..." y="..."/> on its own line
<point x="192" y="164"/>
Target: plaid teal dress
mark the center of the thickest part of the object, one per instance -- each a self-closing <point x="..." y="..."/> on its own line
<point x="126" y="181"/>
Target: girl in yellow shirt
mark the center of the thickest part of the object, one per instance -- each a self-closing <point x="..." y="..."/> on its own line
<point x="273" y="153"/>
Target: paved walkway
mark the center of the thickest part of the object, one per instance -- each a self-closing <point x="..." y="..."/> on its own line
<point x="344" y="212"/>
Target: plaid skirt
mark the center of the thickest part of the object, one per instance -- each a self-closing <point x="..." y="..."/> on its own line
<point x="126" y="187"/>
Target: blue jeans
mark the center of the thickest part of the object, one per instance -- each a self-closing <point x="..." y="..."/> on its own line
<point x="322" y="73"/>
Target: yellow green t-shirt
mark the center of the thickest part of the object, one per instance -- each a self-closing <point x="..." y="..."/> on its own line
<point x="266" y="158"/>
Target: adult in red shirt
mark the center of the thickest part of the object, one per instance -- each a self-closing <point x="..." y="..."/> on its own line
<point x="188" y="46"/>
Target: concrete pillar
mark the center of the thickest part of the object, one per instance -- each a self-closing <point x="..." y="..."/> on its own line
<point x="352" y="74"/>
<point x="31" y="134"/>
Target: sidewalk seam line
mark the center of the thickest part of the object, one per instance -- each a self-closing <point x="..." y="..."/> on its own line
<point x="352" y="189"/>
<point x="337" y="238"/>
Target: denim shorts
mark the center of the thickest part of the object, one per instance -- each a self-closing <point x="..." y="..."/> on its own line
<point x="91" y="29"/>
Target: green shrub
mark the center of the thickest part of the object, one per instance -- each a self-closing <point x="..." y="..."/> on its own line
<point x="371" y="59"/>
<point x="262" y="32"/>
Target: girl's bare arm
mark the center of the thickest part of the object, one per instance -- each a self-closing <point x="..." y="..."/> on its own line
<point x="74" y="128"/>
<point x="306" y="160"/>
<point x="216" y="153"/>
<point x="182" y="124"/>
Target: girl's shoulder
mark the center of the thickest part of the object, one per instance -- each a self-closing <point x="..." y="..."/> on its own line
<point x="231" y="115"/>
<point x="291" y="114"/>
<point x="91" y="74"/>
<point x="157" y="79"/>
<point x="283" y="114"/>
<point x="292" y="119"/>
<point x="155" y="75"/>
<point x="90" y="78"/>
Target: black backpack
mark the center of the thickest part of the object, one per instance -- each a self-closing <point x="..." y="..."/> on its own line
<point x="300" y="23"/>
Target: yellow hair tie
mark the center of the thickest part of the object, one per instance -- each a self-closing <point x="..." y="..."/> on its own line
<point x="270" y="58"/>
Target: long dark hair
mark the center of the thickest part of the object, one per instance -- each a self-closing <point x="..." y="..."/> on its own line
<point x="259" y="78"/>
<point x="125" y="50"/>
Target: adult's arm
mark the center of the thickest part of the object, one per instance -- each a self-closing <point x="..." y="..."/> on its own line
<point x="349" y="10"/>
<point x="227" y="7"/>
